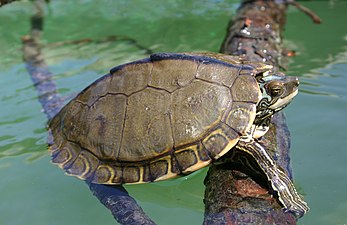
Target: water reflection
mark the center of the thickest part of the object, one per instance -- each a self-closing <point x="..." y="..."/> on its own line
<point x="329" y="80"/>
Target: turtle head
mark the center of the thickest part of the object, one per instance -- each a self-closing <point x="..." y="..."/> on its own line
<point x="277" y="92"/>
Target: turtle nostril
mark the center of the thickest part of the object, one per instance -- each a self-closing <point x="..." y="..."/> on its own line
<point x="297" y="81"/>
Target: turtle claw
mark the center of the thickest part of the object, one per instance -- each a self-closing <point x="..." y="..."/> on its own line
<point x="280" y="182"/>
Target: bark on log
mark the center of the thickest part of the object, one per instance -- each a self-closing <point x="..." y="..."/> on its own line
<point x="236" y="193"/>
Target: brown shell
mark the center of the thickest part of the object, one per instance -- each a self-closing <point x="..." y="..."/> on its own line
<point x="156" y="118"/>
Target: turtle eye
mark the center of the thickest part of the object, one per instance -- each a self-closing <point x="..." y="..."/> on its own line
<point x="275" y="88"/>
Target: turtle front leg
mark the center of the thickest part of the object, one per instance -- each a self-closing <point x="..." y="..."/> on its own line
<point x="280" y="182"/>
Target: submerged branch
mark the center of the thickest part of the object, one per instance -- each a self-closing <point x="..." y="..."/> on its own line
<point x="122" y="206"/>
<point x="5" y="2"/>
<point x="110" y="38"/>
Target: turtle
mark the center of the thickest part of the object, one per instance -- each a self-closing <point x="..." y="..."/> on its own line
<point x="171" y="114"/>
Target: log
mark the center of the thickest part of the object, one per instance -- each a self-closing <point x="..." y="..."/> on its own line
<point x="235" y="192"/>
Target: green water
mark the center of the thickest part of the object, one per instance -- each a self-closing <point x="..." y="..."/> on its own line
<point x="34" y="192"/>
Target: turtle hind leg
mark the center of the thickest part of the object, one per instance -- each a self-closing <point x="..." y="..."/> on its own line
<point x="280" y="182"/>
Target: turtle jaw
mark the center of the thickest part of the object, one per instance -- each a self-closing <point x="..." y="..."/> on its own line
<point x="283" y="102"/>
